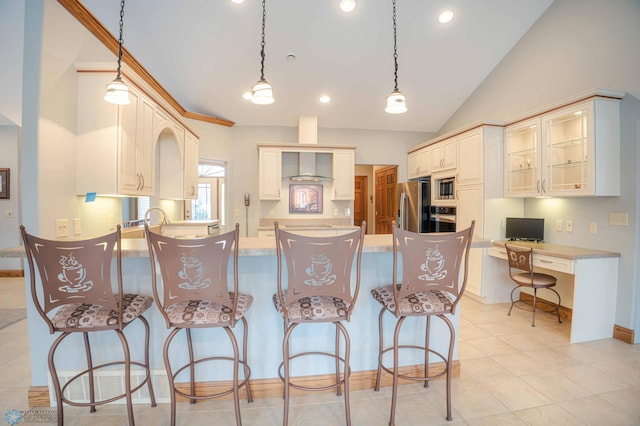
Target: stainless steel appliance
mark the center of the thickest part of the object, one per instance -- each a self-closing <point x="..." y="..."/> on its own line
<point x="412" y="206"/>
<point x="444" y="188"/>
<point x="442" y="219"/>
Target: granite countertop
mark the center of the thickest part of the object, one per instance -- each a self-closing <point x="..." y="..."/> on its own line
<point x="557" y="250"/>
<point x="249" y="246"/>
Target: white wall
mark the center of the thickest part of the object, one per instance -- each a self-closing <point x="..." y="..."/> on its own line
<point x="9" y="227"/>
<point x="575" y="46"/>
<point x="11" y="52"/>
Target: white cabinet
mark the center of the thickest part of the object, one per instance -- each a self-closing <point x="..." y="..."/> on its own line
<point x="115" y="149"/>
<point x="471" y="207"/>
<point x="343" y="174"/>
<point x="470" y="158"/>
<point x="419" y="163"/>
<point x="573" y="151"/>
<point x="191" y="161"/>
<point x="270" y="172"/>
<point x="443" y="155"/>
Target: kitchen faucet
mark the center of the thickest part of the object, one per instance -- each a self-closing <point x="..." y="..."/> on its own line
<point x="147" y="215"/>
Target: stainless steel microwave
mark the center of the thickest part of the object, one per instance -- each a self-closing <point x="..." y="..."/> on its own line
<point x="443" y="190"/>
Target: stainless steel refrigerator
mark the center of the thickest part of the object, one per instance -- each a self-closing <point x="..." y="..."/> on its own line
<point x="412" y="205"/>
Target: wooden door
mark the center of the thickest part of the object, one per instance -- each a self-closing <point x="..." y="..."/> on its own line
<point x="360" y="204"/>
<point x="386" y="183"/>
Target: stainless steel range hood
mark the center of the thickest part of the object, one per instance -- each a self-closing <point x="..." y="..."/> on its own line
<point x="308" y="136"/>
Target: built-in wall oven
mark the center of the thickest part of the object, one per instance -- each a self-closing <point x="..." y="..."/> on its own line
<point x="442" y="219"/>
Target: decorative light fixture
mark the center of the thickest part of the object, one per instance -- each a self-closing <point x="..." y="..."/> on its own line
<point x="117" y="91"/>
<point x="396" y="102"/>
<point x="445" y="17"/>
<point x="262" y="93"/>
<point x="347" y="5"/>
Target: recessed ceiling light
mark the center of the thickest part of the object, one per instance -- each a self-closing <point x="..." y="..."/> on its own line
<point x="247" y="95"/>
<point x="237" y="1"/>
<point x="347" y="5"/>
<point x="445" y="17"/>
<point x="325" y="99"/>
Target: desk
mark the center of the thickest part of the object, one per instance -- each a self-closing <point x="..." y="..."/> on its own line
<point x="595" y="283"/>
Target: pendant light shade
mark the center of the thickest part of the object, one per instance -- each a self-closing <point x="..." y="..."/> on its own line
<point x="396" y="102"/>
<point x="118" y="92"/>
<point x="262" y="93"/>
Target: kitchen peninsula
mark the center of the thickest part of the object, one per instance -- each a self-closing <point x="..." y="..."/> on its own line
<point x="257" y="276"/>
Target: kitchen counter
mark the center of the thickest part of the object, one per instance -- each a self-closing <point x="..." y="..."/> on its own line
<point x="249" y="246"/>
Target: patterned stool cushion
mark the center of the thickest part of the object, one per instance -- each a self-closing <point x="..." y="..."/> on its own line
<point x="86" y="315"/>
<point x="314" y="308"/>
<point x="430" y="302"/>
<point x="207" y="312"/>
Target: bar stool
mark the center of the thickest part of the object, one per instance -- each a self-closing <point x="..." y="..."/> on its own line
<point x="431" y="285"/>
<point x="76" y="296"/>
<point x="194" y="292"/>
<point x="522" y="259"/>
<point x="317" y="290"/>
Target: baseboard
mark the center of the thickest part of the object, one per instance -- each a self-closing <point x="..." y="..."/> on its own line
<point x="565" y="313"/>
<point x="263" y="388"/>
<point x="623" y="334"/>
<point x="12" y="273"/>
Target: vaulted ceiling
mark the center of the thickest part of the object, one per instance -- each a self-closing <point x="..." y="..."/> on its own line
<point x="206" y="54"/>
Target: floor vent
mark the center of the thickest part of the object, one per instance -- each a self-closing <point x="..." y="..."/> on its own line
<point x="110" y="383"/>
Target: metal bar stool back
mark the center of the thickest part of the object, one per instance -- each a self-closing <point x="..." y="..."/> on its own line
<point x="193" y="290"/>
<point x="315" y="285"/>
<point x="76" y="296"/>
<point x="433" y="279"/>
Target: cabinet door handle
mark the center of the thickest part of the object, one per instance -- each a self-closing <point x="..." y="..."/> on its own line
<point x="544" y="181"/>
<point x="545" y="261"/>
<point x="142" y="178"/>
<point x="538" y="185"/>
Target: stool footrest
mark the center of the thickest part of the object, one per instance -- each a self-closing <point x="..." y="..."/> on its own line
<point x="217" y="394"/>
<point x="345" y="375"/>
<point x="426" y="377"/>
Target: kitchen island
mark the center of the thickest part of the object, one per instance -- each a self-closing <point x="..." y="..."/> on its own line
<point x="257" y="276"/>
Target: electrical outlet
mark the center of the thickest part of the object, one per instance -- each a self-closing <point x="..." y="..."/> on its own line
<point x="559" y="225"/>
<point x="77" y="230"/>
<point x="569" y="226"/>
<point x="62" y="228"/>
<point x="619" y="219"/>
<point x="593" y="228"/>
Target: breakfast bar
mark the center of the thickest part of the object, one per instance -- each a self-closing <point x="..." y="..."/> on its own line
<point x="257" y="276"/>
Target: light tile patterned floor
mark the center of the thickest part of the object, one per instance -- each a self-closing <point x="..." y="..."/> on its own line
<point x="511" y="374"/>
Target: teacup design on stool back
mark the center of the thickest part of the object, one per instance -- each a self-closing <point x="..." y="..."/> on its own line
<point x="433" y="265"/>
<point x="319" y="270"/>
<point x="73" y="273"/>
<point x="192" y="270"/>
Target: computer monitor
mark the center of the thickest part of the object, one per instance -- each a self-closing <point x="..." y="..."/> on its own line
<point x="524" y="228"/>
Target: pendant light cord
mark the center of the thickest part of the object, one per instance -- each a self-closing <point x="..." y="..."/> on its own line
<point x="262" y="44"/>
<point x="120" y="41"/>
<point x="395" y="48"/>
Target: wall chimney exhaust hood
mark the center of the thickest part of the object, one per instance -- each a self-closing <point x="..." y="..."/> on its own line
<point x="308" y="136"/>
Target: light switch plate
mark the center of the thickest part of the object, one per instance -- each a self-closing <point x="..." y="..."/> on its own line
<point x="619" y="219"/>
<point x="593" y="228"/>
<point x="559" y="225"/>
<point x="569" y="226"/>
<point x="77" y="230"/>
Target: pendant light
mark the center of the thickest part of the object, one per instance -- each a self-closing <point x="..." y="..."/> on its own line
<point x="117" y="91"/>
<point x="262" y="93"/>
<point x="396" y="103"/>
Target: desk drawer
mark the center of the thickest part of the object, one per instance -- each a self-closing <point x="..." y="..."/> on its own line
<point x="539" y="260"/>
<point x="554" y="263"/>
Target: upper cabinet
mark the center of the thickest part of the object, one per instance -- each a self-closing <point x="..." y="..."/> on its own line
<point x="270" y="174"/>
<point x="419" y="163"/>
<point x="343" y="174"/>
<point x="572" y="151"/>
<point x="470" y="158"/>
<point x="116" y="144"/>
<point x="443" y="155"/>
<point x="333" y="162"/>
<point x="191" y="160"/>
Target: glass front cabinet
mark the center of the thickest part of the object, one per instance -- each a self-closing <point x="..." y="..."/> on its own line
<point x="572" y="151"/>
